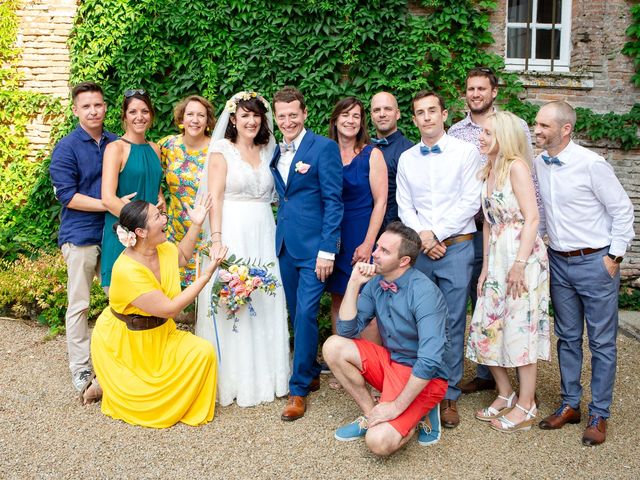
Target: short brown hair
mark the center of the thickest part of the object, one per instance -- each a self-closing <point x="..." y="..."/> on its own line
<point x="179" y="109"/>
<point x="485" y="72"/>
<point x="410" y="245"/>
<point x="289" y="94"/>
<point x="345" y="105"/>
<point x="83" y="87"/>
<point x="427" y="93"/>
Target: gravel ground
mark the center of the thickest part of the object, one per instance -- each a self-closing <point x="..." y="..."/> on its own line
<point x="45" y="433"/>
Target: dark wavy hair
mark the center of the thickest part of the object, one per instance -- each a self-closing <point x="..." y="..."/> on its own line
<point x="133" y="215"/>
<point x="254" y="105"/>
<point x="136" y="95"/>
<point x="345" y="105"/>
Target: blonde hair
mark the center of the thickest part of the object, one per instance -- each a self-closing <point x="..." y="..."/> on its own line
<point x="512" y="144"/>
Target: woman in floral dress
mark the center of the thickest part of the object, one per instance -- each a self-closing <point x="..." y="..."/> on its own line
<point x="510" y="325"/>
<point x="183" y="158"/>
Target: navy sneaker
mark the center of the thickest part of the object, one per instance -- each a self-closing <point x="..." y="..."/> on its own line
<point x="352" y="431"/>
<point x="430" y="434"/>
<point x="324" y="368"/>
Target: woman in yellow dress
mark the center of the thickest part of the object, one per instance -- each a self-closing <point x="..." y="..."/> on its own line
<point x="183" y="158"/>
<point x="151" y="373"/>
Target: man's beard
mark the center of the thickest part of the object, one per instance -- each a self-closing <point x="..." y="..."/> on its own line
<point x="481" y="111"/>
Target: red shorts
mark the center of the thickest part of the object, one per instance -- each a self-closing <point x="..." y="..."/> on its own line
<point x="390" y="378"/>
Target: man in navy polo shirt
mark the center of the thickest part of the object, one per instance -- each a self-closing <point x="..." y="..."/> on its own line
<point x="76" y="174"/>
<point x="385" y="115"/>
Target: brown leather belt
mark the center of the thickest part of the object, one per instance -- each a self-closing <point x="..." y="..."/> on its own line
<point x="458" y="239"/>
<point x="578" y="253"/>
<point x="139" y="322"/>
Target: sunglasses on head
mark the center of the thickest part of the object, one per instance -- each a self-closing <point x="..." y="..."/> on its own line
<point x="485" y="70"/>
<point x="136" y="91"/>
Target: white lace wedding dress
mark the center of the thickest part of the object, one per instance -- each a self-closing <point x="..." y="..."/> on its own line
<point x="253" y="363"/>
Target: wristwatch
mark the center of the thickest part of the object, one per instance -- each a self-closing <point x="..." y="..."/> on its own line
<point x="614" y="258"/>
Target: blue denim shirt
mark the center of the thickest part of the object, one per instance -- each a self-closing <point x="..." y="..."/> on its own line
<point x="76" y="167"/>
<point x="412" y="322"/>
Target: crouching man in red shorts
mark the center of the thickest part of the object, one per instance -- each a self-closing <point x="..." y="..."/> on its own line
<point x="408" y="368"/>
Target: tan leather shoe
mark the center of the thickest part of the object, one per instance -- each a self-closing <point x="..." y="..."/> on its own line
<point x="314" y="386"/>
<point x="477" y="384"/>
<point x="449" y="413"/>
<point x="563" y="415"/>
<point x="596" y="431"/>
<point x="295" y="408"/>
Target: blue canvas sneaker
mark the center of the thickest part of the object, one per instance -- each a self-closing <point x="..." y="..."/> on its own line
<point x="430" y="434"/>
<point x="353" y="430"/>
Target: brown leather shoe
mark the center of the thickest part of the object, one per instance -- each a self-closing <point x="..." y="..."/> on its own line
<point x="314" y="386"/>
<point x="295" y="408"/>
<point x="564" y="414"/>
<point x="478" y="384"/>
<point x="596" y="431"/>
<point x="449" y="413"/>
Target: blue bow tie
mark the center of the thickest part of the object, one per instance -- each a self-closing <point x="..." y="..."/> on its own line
<point x="552" y="160"/>
<point x="424" y="150"/>
<point x="285" y="147"/>
<point x="380" y="141"/>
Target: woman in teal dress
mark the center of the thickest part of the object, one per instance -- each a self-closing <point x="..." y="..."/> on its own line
<point x="130" y="171"/>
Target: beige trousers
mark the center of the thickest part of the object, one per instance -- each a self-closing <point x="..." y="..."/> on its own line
<point x="83" y="264"/>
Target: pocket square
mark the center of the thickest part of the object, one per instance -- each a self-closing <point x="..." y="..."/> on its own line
<point x="302" y="167"/>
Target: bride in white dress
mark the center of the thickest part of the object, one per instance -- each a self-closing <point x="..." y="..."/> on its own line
<point x="253" y="362"/>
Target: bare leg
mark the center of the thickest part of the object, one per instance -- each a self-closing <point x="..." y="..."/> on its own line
<point x="503" y="385"/>
<point x="383" y="439"/>
<point x="336" y="301"/>
<point x="343" y="357"/>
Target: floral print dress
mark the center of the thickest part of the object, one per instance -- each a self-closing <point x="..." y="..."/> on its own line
<point x="504" y="331"/>
<point x="183" y="171"/>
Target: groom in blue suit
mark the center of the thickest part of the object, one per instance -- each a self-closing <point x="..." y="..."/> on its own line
<point x="308" y="175"/>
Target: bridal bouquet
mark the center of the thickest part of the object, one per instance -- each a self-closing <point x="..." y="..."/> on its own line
<point x="237" y="279"/>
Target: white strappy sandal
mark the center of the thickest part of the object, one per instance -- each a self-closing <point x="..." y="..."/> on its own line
<point x="489" y="413"/>
<point x="507" y="426"/>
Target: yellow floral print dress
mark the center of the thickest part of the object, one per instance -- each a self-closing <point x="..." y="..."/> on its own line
<point x="183" y="170"/>
<point x="504" y="331"/>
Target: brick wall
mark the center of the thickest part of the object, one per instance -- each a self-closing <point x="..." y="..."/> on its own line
<point x="42" y="38"/>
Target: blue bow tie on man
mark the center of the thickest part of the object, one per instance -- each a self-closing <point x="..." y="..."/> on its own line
<point x="424" y="150"/>
<point x="286" y="147"/>
<point x="552" y="160"/>
<point x="380" y="141"/>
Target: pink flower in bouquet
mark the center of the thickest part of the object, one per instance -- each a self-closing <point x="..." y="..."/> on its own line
<point x="257" y="281"/>
<point x="234" y="282"/>
<point x="225" y="276"/>
<point x="240" y="290"/>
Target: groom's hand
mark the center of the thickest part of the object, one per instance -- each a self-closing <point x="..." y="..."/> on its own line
<point x="323" y="268"/>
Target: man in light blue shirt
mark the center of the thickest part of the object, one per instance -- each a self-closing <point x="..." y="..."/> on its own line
<point x="409" y="367"/>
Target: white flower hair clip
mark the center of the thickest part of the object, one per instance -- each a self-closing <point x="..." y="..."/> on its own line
<point x="127" y="238"/>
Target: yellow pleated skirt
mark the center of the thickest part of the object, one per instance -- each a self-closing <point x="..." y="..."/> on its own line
<point x="154" y="378"/>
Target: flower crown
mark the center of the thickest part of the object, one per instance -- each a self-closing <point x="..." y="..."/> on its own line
<point x="232" y="104"/>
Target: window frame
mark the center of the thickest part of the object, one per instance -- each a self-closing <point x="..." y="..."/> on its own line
<point x="563" y="24"/>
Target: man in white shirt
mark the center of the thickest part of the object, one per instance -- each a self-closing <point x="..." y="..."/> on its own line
<point x="438" y="194"/>
<point x="589" y="221"/>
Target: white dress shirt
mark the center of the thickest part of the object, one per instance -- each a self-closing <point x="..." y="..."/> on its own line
<point x="284" y="163"/>
<point x="585" y="205"/>
<point x="440" y="191"/>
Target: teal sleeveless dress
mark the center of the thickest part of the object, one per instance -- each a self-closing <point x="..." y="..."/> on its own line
<point x="142" y="173"/>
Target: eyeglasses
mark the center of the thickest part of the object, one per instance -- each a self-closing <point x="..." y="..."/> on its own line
<point x="136" y="91"/>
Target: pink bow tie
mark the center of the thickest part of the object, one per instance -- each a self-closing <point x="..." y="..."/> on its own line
<point x="389" y="286"/>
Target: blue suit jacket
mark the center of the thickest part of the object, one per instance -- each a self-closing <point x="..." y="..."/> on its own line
<point x="310" y="210"/>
